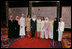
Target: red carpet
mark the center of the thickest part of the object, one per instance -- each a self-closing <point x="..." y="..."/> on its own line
<point x="31" y="43"/>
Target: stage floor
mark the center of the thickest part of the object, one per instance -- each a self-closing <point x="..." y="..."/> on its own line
<point x="34" y="42"/>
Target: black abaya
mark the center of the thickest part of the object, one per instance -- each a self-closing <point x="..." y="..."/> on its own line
<point x="13" y="29"/>
<point x="10" y="28"/>
<point x="16" y="28"/>
<point x="55" y="28"/>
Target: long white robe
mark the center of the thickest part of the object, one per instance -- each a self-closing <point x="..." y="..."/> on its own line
<point x="51" y="29"/>
<point x="22" y="24"/>
<point x="38" y="25"/>
<point x="60" y="30"/>
<point x="42" y="29"/>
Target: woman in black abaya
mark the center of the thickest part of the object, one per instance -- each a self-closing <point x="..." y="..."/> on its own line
<point x="55" y="30"/>
<point x="10" y="27"/>
<point x="16" y="27"/>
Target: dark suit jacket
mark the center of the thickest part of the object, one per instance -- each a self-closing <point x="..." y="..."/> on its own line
<point x="33" y="25"/>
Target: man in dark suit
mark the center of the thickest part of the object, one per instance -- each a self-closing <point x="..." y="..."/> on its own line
<point x="33" y="25"/>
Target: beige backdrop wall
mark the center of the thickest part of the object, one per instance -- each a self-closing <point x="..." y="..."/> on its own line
<point x="45" y="11"/>
<point x="66" y="15"/>
<point x="18" y="11"/>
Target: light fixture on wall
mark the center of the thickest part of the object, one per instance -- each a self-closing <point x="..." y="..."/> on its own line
<point x="39" y="12"/>
<point x="58" y="1"/>
<point x="36" y="1"/>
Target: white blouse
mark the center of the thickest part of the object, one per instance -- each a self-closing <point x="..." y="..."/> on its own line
<point x="42" y="25"/>
<point x="61" y="26"/>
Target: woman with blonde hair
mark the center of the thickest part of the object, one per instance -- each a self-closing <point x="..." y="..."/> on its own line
<point x="51" y="28"/>
<point x="28" y="25"/>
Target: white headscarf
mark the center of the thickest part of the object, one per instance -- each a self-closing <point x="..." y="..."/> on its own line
<point x="22" y="15"/>
<point x="46" y="19"/>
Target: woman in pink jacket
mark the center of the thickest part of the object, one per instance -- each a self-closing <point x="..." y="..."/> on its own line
<point x="46" y="27"/>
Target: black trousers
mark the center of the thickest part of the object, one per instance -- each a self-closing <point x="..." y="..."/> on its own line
<point x="55" y="36"/>
<point x="33" y="33"/>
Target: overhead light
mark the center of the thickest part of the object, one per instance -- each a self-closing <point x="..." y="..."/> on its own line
<point x="36" y="1"/>
<point x="58" y="1"/>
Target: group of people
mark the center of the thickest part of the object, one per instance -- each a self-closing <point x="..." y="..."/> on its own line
<point x="46" y="27"/>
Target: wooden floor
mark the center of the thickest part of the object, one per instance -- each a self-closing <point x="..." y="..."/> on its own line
<point x="67" y="34"/>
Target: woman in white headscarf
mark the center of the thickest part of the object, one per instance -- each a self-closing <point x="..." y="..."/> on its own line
<point x="38" y="26"/>
<point x="46" y="27"/>
<point x="60" y="29"/>
<point x="33" y="25"/>
<point x="22" y="26"/>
